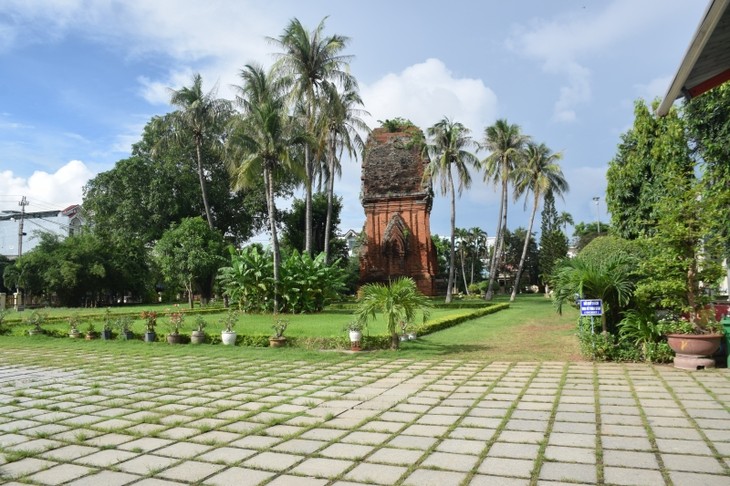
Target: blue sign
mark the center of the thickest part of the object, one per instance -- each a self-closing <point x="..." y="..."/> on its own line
<point x="591" y="307"/>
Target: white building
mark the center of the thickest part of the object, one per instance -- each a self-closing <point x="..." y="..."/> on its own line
<point x="63" y="223"/>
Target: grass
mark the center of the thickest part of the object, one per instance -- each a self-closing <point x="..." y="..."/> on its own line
<point x="324" y="324"/>
<point x="529" y="330"/>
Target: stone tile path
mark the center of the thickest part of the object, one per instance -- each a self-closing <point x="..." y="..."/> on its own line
<point x="215" y="421"/>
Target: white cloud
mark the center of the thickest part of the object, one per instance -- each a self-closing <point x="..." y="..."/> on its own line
<point x="565" y="44"/>
<point x="45" y="190"/>
<point x="426" y="92"/>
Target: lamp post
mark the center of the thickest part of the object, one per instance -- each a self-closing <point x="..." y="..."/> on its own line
<point x="598" y="213"/>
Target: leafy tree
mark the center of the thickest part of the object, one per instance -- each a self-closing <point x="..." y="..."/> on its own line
<point x="316" y="66"/>
<point x="200" y="116"/>
<point x="158" y="185"/>
<point x="634" y="176"/>
<point x="553" y="243"/>
<point x="399" y="301"/>
<point x="584" y="233"/>
<point x="293" y="225"/>
<point x="4" y="263"/>
<point x="189" y="255"/>
<point x="448" y="153"/>
<point x="539" y="174"/>
<point x="505" y="142"/>
<point x="708" y="122"/>
<point x="683" y="250"/>
<point x="262" y="145"/>
<point x="514" y="243"/>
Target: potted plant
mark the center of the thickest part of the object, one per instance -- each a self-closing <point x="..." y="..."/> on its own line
<point x="90" y="332"/>
<point x="36" y="320"/>
<point x="693" y="342"/>
<point x="106" y="331"/>
<point x="355" y="329"/>
<point x="278" y="340"/>
<point x="228" y="335"/>
<point x="73" y="326"/>
<point x="198" y="335"/>
<point x="123" y="323"/>
<point x="151" y="321"/>
<point x="176" y="318"/>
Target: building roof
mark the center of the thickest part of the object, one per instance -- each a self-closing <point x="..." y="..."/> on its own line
<point x="706" y="63"/>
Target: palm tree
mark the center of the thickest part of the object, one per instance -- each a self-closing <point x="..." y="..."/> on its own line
<point x="538" y="174"/>
<point x="505" y="143"/>
<point x="261" y="144"/>
<point x="399" y="301"/>
<point x="477" y="236"/>
<point x="199" y="114"/>
<point x="344" y="122"/>
<point x="447" y="151"/>
<point x="610" y="280"/>
<point x="315" y="66"/>
<point x="565" y="219"/>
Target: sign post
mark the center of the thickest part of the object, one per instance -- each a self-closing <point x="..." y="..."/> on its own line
<point x="592" y="308"/>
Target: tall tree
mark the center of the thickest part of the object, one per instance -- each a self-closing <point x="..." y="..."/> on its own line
<point x="553" y="242"/>
<point x="505" y="143"/>
<point x="262" y="143"/>
<point x="448" y="153"/>
<point x="343" y="120"/>
<point x="708" y="120"/>
<point x="141" y="196"/>
<point x="540" y="173"/>
<point x="198" y="116"/>
<point x="189" y="254"/>
<point x="316" y="66"/>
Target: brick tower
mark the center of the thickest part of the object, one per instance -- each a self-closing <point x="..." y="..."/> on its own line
<point x="397" y="207"/>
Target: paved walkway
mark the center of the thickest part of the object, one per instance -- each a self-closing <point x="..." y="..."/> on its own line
<point x="178" y="420"/>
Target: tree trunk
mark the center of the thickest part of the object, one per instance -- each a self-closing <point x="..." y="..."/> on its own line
<point x="308" y="176"/>
<point x="203" y="190"/>
<point x="463" y="269"/>
<point x="500" y="234"/>
<point x="453" y="230"/>
<point x="524" y="248"/>
<point x="189" y="288"/>
<point x="268" y="180"/>
<point x="330" y="196"/>
<point x="394" y="341"/>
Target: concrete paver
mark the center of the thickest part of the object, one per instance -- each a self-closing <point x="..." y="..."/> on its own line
<point x="365" y="421"/>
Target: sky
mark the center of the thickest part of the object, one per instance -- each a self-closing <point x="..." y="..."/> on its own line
<point x="81" y="78"/>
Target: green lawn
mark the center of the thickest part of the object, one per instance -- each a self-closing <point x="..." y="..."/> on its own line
<point x="529" y="330"/>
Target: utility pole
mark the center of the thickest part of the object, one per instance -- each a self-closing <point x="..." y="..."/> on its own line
<point x="23" y="203"/>
<point x="19" y="306"/>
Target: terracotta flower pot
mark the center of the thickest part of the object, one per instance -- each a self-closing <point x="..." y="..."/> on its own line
<point x="275" y="342"/>
<point x="174" y="338"/>
<point x="694" y="351"/>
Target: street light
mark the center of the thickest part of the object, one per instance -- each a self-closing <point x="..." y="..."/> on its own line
<point x="598" y="213"/>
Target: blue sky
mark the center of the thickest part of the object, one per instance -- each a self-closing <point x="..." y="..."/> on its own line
<point x="81" y="78"/>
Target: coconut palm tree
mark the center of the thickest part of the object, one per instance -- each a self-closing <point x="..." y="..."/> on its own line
<point x="262" y="143"/>
<point x="315" y="66"/>
<point x="505" y="142"/>
<point x="399" y="301"/>
<point x="198" y="116"/>
<point x="342" y="118"/>
<point x="447" y="153"/>
<point x="539" y="173"/>
<point x="565" y="219"/>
